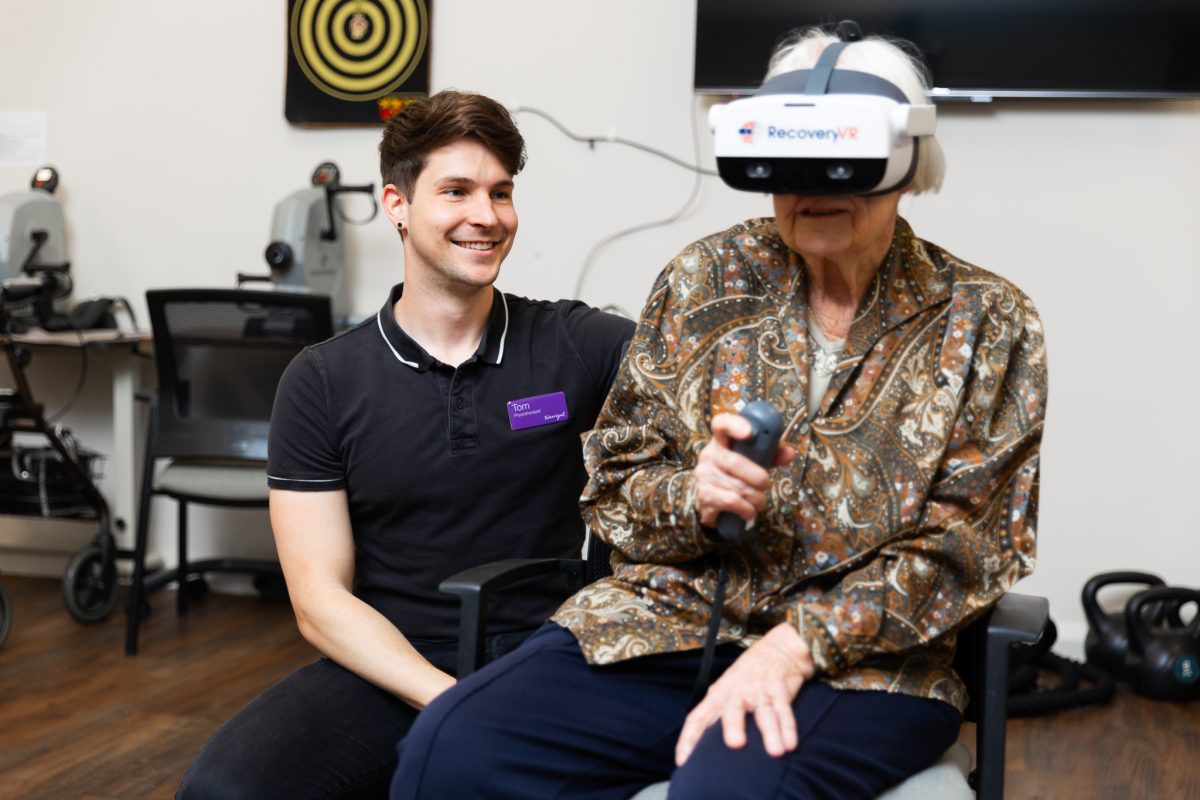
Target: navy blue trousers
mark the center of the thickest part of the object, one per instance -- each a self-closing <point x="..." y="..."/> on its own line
<point x="541" y="723"/>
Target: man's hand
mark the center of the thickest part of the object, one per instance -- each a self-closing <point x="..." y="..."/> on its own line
<point x="763" y="681"/>
<point x="727" y="481"/>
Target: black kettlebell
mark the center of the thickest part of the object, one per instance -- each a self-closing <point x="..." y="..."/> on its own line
<point x="1168" y="665"/>
<point x="1107" y="642"/>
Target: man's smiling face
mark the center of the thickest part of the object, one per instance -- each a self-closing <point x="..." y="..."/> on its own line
<point x="460" y="223"/>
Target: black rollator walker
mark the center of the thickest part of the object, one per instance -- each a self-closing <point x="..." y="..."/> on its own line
<point x="54" y="481"/>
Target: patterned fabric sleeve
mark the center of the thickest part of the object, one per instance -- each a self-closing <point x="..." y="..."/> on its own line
<point x="641" y="495"/>
<point x="976" y="535"/>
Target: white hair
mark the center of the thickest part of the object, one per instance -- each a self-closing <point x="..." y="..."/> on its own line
<point x="893" y="60"/>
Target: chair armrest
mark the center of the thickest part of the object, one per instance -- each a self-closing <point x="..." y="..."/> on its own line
<point x="1015" y="619"/>
<point x="475" y="586"/>
<point x="1018" y="618"/>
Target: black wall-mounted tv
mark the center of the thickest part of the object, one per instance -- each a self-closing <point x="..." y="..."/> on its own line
<point x="978" y="49"/>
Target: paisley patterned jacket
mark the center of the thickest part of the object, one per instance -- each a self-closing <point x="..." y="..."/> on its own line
<point x="911" y="505"/>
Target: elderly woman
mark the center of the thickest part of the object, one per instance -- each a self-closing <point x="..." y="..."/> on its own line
<point x="901" y="505"/>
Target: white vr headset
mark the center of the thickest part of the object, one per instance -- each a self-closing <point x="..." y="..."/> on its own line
<point x="822" y="131"/>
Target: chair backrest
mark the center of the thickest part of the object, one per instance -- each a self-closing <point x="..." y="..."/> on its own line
<point x="219" y="354"/>
<point x="597" y="562"/>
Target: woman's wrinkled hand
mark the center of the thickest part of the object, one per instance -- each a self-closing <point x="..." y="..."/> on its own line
<point x="763" y="681"/>
<point x="728" y="481"/>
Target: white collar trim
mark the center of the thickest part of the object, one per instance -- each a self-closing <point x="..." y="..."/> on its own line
<point x="403" y="360"/>
<point x="504" y="335"/>
<point x="400" y="358"/>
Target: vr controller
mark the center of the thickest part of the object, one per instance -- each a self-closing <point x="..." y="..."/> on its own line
<point x="760" y="446"/>
<point x="821" y="131"/>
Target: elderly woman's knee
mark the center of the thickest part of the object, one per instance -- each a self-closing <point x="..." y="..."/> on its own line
<point x="444" y="748"/>
<point x="705" y="781"/>
<point x="717" y="771"/>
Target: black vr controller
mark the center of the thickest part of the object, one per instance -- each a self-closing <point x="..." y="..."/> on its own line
<point x="760" y="447"/>
<point x="766" y="428"/>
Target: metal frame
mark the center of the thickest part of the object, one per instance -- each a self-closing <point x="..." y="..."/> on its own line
<point x="174" y="435"/>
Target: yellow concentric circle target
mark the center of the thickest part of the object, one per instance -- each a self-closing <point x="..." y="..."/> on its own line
<point x="359" y="49"/>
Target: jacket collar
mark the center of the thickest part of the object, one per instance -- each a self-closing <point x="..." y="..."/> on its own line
<point x="907" y="282"/>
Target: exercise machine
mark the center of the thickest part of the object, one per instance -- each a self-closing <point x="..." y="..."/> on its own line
<point x="307" y="251"/>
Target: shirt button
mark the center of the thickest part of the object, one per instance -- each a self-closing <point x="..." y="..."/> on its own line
<point x="736" y="630"/>
<point x="458" y="404"/>
<point x="803" y="429"/>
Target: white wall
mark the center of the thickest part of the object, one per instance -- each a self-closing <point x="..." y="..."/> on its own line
<point x="166" y="122"/>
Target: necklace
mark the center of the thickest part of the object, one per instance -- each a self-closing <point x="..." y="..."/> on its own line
<point x="822" y="362"/>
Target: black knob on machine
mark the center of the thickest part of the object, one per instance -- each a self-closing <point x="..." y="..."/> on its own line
<point x="279" y="255"/>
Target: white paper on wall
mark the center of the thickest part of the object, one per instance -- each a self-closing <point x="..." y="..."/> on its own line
<point x="22" y="138"/>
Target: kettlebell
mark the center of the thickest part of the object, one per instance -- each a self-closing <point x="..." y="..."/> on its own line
<point x="1168" y="665"/>
<point x="1107" y="642"/>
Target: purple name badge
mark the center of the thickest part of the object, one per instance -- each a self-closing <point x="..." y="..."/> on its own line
<point x="530" y="412"/>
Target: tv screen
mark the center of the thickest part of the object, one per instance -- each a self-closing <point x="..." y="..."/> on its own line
<point x="978" y="49"/>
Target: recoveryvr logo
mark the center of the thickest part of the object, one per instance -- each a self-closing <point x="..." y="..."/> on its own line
<point x="849" y="133"/>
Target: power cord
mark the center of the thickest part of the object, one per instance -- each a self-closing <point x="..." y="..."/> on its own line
<point x="710" y="638"/>
<point x="591" y="141"/>
<point x="79" y="382"/>
<point x="124" y="303"/>
<point x="338" y="204"/>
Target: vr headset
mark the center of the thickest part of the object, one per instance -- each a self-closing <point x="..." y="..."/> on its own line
<point x="822" y="131"/>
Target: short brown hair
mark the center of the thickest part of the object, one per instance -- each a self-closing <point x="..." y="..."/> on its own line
<point x="446" y="117"/>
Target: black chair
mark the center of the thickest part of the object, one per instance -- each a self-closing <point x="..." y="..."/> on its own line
<point x="219" y="354"/>
<point x="981" y="660"/>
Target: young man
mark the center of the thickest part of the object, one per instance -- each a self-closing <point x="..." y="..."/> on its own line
<point x="439" y="434"/>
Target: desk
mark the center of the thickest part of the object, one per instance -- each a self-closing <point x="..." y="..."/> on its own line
<point x="124" y="460"/>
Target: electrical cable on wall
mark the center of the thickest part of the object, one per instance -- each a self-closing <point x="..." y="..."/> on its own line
<point x="70" y="323"/>
<point x="592" y="141"/>
<point x="80" y="380"/>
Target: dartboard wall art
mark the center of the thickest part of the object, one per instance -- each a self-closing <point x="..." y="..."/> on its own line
<point x="355" y="62"/>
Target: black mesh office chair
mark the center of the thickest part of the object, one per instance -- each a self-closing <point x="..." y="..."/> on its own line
<point x="981" y="660"/>
<point x="219" y="354"/>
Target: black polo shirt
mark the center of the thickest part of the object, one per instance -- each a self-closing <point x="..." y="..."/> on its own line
<point x="446" y="468"/>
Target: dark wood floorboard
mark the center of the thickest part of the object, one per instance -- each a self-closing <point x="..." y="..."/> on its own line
<point x="80" y="720"/>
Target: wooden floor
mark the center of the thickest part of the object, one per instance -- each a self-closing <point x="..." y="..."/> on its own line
<point x="80" y="720"/>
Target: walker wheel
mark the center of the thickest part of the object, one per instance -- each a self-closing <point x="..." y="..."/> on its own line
<point x="90" y="585"/>
<point x="195" y="586"/>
